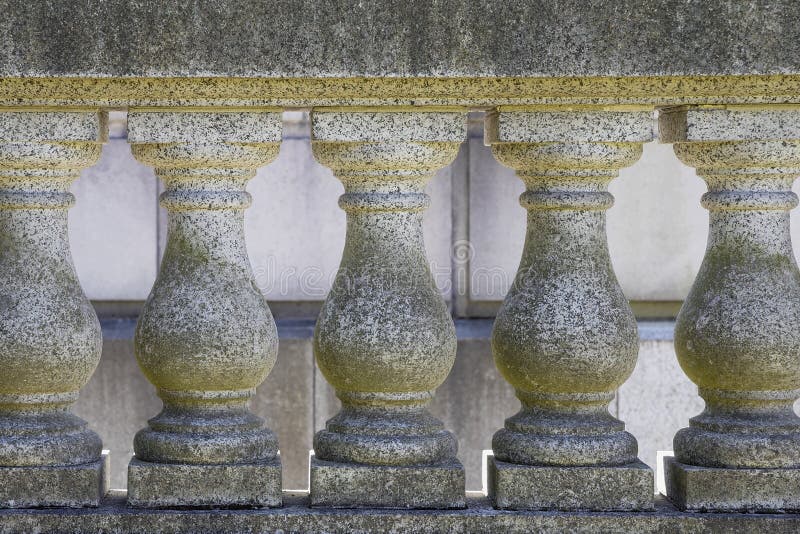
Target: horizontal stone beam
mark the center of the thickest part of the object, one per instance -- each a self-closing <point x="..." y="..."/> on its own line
<point x="250" y="38"/>
<point x="297" y="516"/>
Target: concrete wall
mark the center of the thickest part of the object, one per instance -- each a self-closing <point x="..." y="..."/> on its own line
<point x="473" y="230"/>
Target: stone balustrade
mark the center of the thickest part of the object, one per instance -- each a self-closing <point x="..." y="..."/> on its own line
<point x="565" y="338"/>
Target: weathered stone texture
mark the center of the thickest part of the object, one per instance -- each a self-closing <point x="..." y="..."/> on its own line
<point x="542" y="487"/>
<point x="339" y="485"/>
<point x="206" y="337"/>
<point x="50" y="339"/>
<point x="479" y="516"/>
<point x="736" y="335"/>
<point x="565" y="337"/>
<point x="717" y="489"/>
<point x="160" y="485"/>
<point x="414" y="38"/>
<point x="384" y="338"/>
<point x="63" y="486"/>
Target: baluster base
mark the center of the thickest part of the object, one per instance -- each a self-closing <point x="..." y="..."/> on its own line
<point x="626" y="487"/>
<point x="63" y="486"/>
<point x="253" y="485"/>
<point x="720" y="489"/>
<point x="340" y="485"/>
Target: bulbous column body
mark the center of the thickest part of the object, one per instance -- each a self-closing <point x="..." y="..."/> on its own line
<point x="206" y="337"/>
<point x="384" y="338"/>
<point x="565" y="337"/>
<point x="736" y="336"/>
<point x="50" y="339"/>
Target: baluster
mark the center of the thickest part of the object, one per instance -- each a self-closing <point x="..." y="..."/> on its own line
<point x="738" y="333"/>
<point x="384" y="338"/>
<point x="206" y="337"/>
<point x="565" y="337"/>
<point x="50" y="339"/>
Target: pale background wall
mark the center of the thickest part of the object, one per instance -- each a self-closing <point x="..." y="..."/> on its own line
<point x="295" y="234"/>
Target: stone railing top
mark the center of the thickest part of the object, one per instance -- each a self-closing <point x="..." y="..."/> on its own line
<point x="415" y="38"/>
<point x="474" y="54"/>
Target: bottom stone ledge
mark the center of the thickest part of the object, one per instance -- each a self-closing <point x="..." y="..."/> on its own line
<point x="296" y="516"/>
<point x="69" y="486"/>
<point x="527" y="487"/>
<point x="339" y="485"/>
<point x="711" y="489"/>
<point x="152" y="485"/>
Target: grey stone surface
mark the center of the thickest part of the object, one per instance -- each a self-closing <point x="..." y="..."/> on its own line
<point x="159" y="485"/>
<point x="296" y="516"/>
<point x="295" y="230"/>
<point x="734" y="336"/>
<point x="206" y="338"/>
<point x="714" y="489"/>
<point x="565" y="337"/>
<point x="384" y="338"/>
<point x="474" y="400"/>
<point x="539" y="487"/>
<point x="65" y="486"/>
<point x="285" y="398"/>
<point x="118" y="399"/>
<point x="340" y="485"/>
<point x="50" y="340"/>
<point x="416" y="38"/>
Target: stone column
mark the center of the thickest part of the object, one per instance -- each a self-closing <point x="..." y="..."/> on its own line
<point x="206" y="337"/>
<point x="565" y="337"/>
<point x="738" y="333"/>
<point x="50" y="340"/>
<point x="384" y="338"/>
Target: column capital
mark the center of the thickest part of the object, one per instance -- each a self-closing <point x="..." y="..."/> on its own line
<point x="567" y="158"/>
<point x="178" y="143"/>
<point x="574" y="127"/>
<point x="398" y="145"/>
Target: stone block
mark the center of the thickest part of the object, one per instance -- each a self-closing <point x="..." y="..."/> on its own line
<point x="527" y="487"/>
<point x="339" y="485"/>
<point x="69" y="486"/>
<point x="152" y="485"/>
<point x="714" y="489"/>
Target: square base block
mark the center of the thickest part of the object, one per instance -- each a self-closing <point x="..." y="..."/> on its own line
<point x="529" y="487"/>
<point x="69" y="486"/>
<point x="715" y="489"/>
<point x="340" y="485"/>
<point x="152" y="485"/>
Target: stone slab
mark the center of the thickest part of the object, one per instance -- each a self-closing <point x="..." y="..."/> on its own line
<point x="152" y="485"/>
<point x="296" y="516"/>
<point x="385" y="38"/>
<point x="707" y="489"/>
<point x="527" y="487"/>
<point x="338" y="485"/>
<point x="71" y="486"/>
